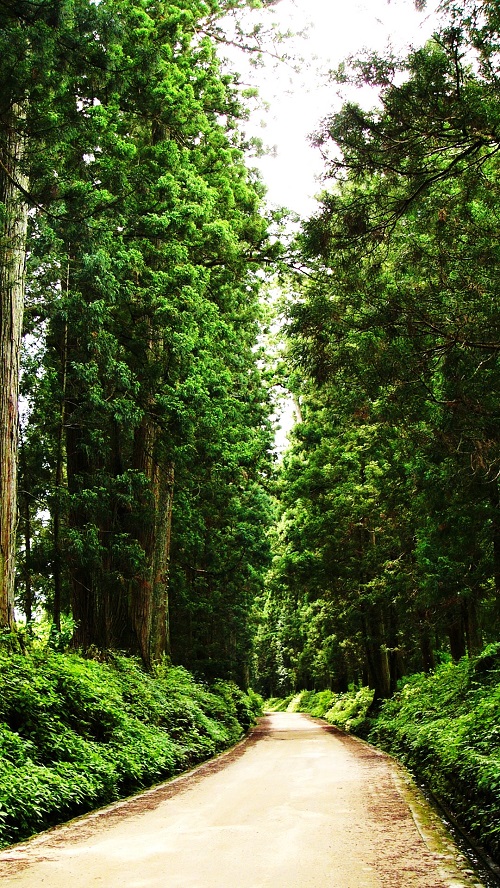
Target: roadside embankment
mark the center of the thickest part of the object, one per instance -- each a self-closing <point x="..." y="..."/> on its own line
<point x="76" y="734"/>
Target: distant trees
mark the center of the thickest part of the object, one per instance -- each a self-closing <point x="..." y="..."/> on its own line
<point x="138" y="233"/>
<point x="388" y="549"/>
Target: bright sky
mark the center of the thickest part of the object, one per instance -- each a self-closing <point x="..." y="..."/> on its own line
<point x="298" y="101"/>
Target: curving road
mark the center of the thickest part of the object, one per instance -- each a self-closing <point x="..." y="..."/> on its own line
<point x="297" y="805"/>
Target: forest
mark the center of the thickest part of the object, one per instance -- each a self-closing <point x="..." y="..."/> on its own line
<point x="386" y="551"/>
<point x="147" y="526"/>
<point x="133" y="236"/>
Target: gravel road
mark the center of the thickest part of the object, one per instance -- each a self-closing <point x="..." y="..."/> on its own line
<point x="297" y="805"/>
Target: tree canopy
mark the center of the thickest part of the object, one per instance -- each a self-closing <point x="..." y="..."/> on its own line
<point x="139" y="503"/>
<point x="142" y="232"/>
<point x="387" y="551"/>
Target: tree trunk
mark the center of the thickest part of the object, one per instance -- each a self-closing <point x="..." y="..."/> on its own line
<point x="456" y="633"/>
<point x="149" y="595"/>
<point x="13" y="185"/>
<point x="473" y="637"/>
<point x="377" y="658"/>
<point x="495" y="536"/>
<point x="160" y="630"/>
<point x="83" y="588"/>
<point x="26" y="493"/>
<point x="395" y="655"/>
<point x="425" y="637"/>
<point x="57" y="514"/>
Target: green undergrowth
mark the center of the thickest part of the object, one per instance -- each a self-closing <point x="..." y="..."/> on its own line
<point x="76" y="734"/>
<point x="445" y="727"/>
<point x="347" y="711"/>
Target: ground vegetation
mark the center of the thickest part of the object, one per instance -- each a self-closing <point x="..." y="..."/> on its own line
<point x="78" y="733"/>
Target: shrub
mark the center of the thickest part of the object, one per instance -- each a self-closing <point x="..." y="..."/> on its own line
<point x="446" y="728"/>
<point x="76" y="734"/>
<point x="348" y="711"/>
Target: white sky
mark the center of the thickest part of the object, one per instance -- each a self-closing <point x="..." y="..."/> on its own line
<point x="298" y="101"/>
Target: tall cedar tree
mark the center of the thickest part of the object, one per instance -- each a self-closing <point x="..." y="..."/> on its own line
<point x="143" y="297"/>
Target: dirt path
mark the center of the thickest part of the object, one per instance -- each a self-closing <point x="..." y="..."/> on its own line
<point x="299" y="805"/>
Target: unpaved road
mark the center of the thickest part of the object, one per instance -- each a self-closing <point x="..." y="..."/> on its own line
<point x="299" y="805"/>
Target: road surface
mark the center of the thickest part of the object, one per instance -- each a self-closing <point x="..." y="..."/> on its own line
<point x="297" y="805"/>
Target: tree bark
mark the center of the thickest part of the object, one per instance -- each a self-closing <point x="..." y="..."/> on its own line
<point x="26" y="493"/>
<point x="13" y="186"/>
<point x="57" y="515"/>
<point x="149" y="595"/>
<point x="160" y="630"/>
<point x="377" y="658"/>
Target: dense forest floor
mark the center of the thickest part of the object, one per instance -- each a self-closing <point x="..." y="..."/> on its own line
<point x="76" y="734"/>
<point x="444" y="726"/>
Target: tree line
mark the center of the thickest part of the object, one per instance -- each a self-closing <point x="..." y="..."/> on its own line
<point x="131" y="237"/>
<point x="135" y="438"/>
<point x="387" y="551"/>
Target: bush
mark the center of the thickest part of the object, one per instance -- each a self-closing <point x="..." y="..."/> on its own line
<point x="348" y="711"/>
<point x="76" y="734"/>
<point x="446" y="728"/>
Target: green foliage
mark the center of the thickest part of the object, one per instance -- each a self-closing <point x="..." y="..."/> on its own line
<point x="76" y="733"/>
<point x="348" y="711"/>
<point x="446" y="728"/>
<point x="140" y="371"/>
<point x="387" y="551"/>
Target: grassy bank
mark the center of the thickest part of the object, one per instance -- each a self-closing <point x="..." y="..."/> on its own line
<point x="76" y="734"/>
<point x="444" y="726"/>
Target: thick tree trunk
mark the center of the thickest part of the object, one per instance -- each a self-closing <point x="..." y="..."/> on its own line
<point x="13" y="186"/>
<point x="57" y="514"/>
<point x="149" y="594"/>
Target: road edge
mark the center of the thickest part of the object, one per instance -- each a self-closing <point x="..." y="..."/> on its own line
<point x="75" y="828"/>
